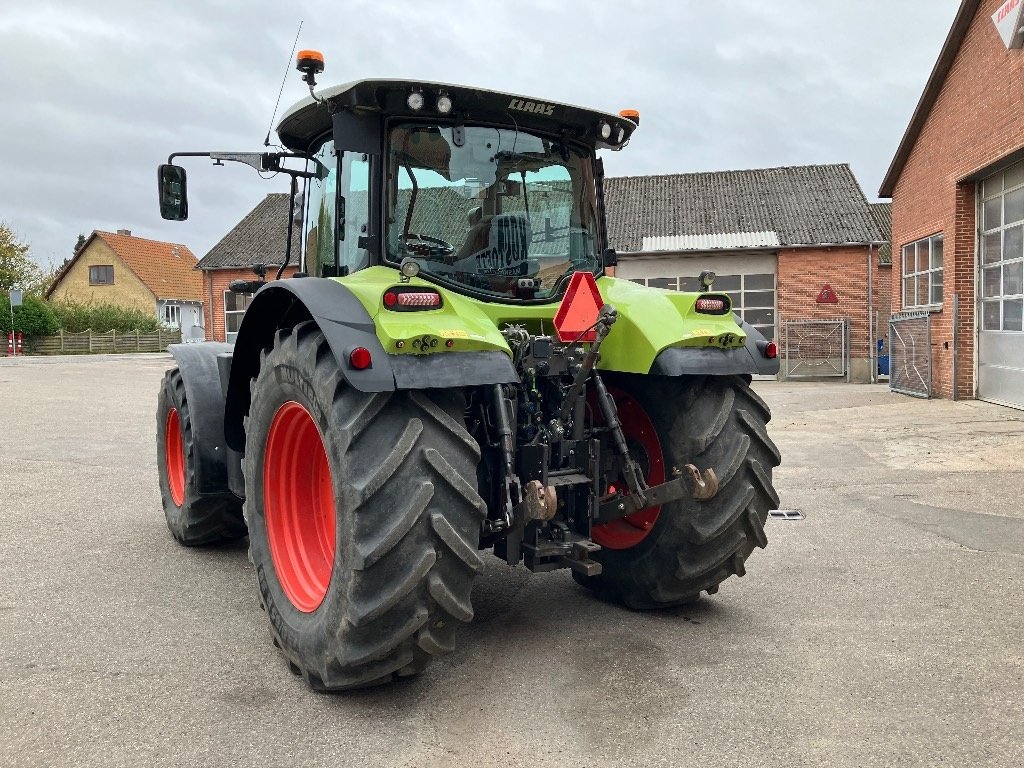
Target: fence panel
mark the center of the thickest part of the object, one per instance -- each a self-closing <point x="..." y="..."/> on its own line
<point x="910" y="354"/>
<point x="91" y="342"/>
<point x="817" y="348"/>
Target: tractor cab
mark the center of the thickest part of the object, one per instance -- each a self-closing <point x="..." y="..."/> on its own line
<point x="485" y="192"/>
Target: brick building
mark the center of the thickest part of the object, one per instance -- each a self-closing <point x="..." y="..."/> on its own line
<point x="799" y="249"/>
<point x="128" y="271"/>
<point x="259" y="238"/>
<point x="957" y="189"/>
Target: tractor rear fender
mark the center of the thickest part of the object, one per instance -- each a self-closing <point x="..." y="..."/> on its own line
<point x="205" y="395"/>
<point x="684" y="361"/>
<point x="347" y="325"/>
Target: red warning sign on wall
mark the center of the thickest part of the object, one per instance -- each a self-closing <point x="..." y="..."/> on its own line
<point x="827" y="296"/>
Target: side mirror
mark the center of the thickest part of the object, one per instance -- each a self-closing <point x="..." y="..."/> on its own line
<point x="173" y="193"/>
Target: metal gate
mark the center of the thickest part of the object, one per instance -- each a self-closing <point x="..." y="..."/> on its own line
<point x="910" y="354"/>
<point x="817" y="348"/>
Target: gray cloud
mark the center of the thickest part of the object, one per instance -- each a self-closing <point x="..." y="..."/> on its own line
<point x="93" y="101"/>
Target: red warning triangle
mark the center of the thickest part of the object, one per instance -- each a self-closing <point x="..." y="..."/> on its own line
<point x="579" y="309"/>
<point x="827" y="295"/>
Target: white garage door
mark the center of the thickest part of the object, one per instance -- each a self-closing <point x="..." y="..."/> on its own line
<point x="749" y="280"/>
<point x="1001" y="289"/>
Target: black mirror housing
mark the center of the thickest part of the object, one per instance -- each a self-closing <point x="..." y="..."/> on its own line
<point x="173" y="192"/>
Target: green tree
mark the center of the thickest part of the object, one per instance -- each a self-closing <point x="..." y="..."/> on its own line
<point x="78" y="246"/>
<point x="17" y="270"/>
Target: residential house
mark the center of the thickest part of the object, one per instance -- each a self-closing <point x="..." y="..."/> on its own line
<point x="150" y="275"/>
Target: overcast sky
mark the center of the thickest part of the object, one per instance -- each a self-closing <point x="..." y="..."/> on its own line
<point x="94" y="101"/>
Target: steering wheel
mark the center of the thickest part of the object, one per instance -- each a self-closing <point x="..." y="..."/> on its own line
<point x="425" y="246"/>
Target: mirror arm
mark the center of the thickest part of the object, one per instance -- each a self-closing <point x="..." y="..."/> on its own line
<point x="261" y="161"/>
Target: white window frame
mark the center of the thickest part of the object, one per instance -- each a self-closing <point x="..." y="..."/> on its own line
<point x="230" y="336"/>
<point x="171" y="315"/>
<point x="988" y="193"/>
<point x="911" y="277"/>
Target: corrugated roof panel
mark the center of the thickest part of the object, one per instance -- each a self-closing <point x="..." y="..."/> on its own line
<point x="713" y="241"/>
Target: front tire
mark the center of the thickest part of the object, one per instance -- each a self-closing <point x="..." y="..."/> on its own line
<point x="659" y="558"/>
<point x="364" y="517"/>
<point x="193" y="519"/>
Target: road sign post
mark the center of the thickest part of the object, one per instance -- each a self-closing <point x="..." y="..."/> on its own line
<point x="16" y="297"/>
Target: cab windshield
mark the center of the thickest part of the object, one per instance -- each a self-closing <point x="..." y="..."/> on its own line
<point x="496" y="210"/>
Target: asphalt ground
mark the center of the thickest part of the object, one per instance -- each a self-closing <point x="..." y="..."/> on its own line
<point x="884" y="629"/>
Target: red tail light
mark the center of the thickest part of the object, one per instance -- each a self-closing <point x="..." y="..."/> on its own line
<point x="411" y="299"/>
<point x="771" y="350"/>
<point x="712" y="305"/>
<point x="359" y="358"/>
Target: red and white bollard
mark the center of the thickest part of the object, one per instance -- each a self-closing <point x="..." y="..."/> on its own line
<point x="21" y="338"/>
<point x="10" y="343"/>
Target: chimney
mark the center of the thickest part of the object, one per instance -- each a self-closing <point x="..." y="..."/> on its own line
<point x="175" y="252"/>
<point x="126" y="232"/>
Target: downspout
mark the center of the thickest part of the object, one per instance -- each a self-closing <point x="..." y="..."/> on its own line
<point x="209" y="283"/>
<point x="872" y="345"/>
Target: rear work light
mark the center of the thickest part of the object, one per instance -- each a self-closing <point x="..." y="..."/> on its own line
<point x="712" y="305"/>
<point x="411" y="299"/>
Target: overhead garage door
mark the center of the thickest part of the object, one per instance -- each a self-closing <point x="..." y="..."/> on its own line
<point x="749" y="280"/>
<point x="1001" y="289"/>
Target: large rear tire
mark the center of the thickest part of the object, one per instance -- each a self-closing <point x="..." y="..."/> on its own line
<point x="193" y="519"/>
<point x="668" y="556"/>
<point x="364" y="517"/>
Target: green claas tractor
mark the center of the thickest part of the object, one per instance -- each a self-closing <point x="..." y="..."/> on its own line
<point x="452" y="371"/>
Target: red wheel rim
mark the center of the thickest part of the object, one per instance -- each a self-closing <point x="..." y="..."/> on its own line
<point x="174" y="457"/>
<point x="642" y="438"/>
<point x="298" y="504"/>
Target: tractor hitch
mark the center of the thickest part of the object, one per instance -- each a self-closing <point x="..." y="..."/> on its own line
<point x="686" y="484"/>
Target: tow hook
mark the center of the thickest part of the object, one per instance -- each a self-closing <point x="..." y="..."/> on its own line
<point x="703" y="488"/>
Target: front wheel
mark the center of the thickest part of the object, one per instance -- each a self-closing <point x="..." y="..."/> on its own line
<point x="194" y="519"/>
<point x="668" y="555"/>
<point x="364" y="517"/>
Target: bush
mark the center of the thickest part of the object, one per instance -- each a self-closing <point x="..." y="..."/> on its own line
<point x="33" y="318"/>
<point x="75" y="317"/>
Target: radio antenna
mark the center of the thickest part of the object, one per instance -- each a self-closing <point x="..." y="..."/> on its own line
<point x="287" y="67"/>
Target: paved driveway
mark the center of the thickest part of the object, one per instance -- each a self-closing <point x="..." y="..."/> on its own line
<point x="886" y="629"/>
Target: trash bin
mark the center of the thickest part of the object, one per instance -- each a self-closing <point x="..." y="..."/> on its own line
<point x="883" y="358"/>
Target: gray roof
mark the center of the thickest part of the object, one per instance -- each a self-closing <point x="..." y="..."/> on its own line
<point x="803" y="205"/>
<point x="259" y="238"/>
<point x="883" y="218"/>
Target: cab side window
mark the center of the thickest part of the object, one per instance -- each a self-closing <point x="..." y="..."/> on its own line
<point x="355" y="193"/>
<point x="321" y="242"/>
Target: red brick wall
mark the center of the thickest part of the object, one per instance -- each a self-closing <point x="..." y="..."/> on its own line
<point x="803" y="272"/>
<point x="975" y="121"/>
<point x="215" y="282"/>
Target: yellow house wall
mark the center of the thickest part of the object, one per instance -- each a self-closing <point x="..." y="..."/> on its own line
<point x="126" y="291"/>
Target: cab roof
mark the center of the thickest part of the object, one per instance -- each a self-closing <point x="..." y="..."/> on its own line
<point x="308" y="119"/>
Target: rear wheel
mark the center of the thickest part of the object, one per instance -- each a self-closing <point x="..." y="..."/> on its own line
<point x="668" y="555"/>
<point x="193" y="519"/>
<point x="364" y="517"/>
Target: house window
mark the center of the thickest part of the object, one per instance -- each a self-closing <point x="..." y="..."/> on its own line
<point x="102" y="274"/>
<point x="235" y="305"/>
<point x="922" y="273"/>
<point x="753" y="295"/>
<point x="1002" y="251"/>
<point x="171" y="315"/>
